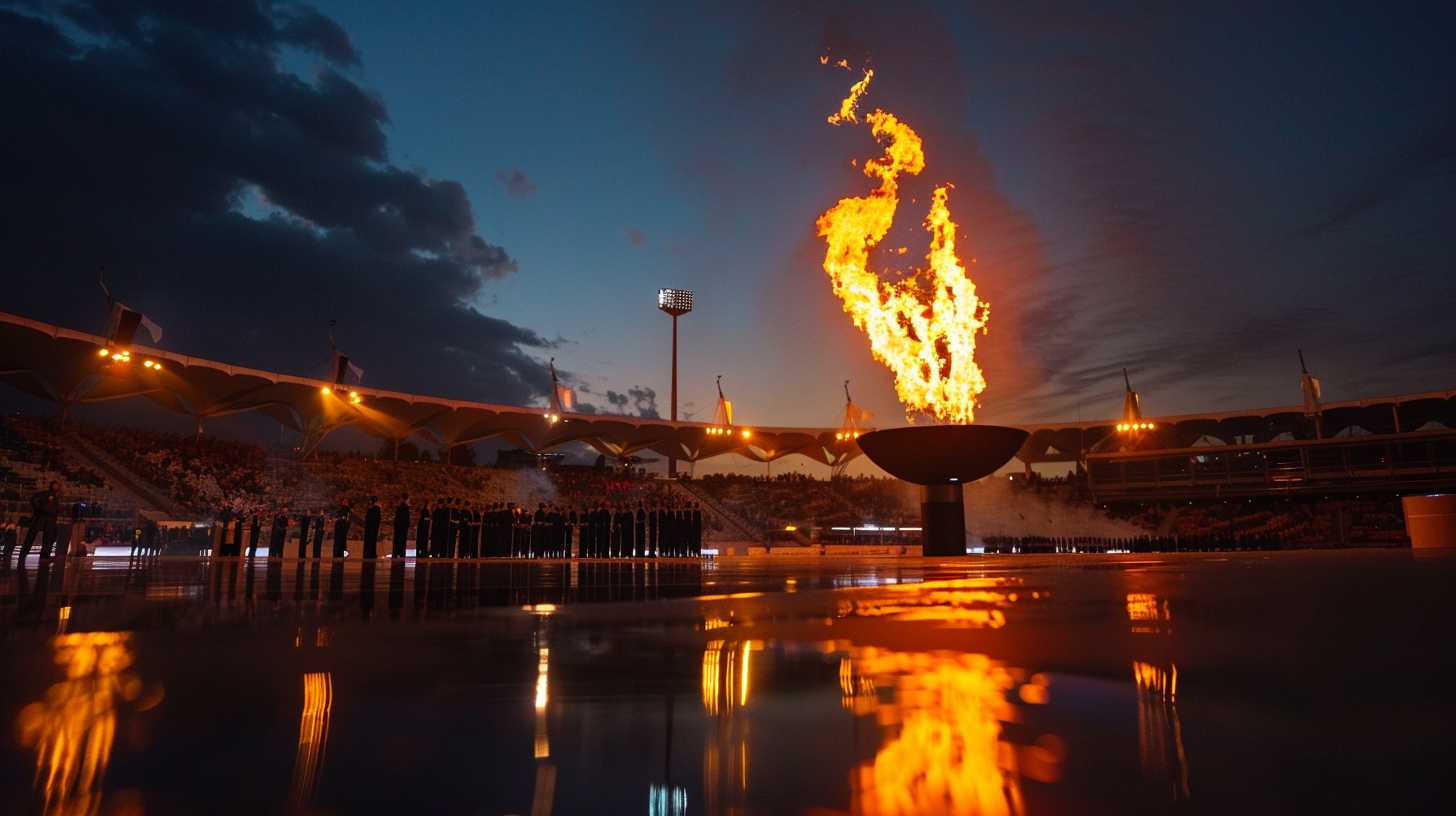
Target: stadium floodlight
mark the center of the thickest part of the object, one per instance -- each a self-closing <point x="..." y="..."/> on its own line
<point x="675" y="302"/>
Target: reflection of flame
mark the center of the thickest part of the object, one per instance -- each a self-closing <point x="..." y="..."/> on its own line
<point x="969" y="608"/>
<point x="313" y="734"/>
<point x="923" y="327"/>
<point x="72" y="729"/>
<point x="948" y="756"/>
<point x="1158" y="725"/>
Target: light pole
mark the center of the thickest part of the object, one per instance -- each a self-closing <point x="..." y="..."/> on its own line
<point x="675" y="302"/>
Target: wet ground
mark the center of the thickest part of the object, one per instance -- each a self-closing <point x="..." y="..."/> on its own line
<point x="1270" y="682"/>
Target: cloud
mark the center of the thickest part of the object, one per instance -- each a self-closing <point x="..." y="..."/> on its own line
<point x="516" y="183"/>
<point x="152" y="133"/>
<point x="642" y="401"/>
<point x="636" y="236"/>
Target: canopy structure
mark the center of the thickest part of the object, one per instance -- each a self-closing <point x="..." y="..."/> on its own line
<point x="1405" y="413"/>
<point x="67" y="367"/>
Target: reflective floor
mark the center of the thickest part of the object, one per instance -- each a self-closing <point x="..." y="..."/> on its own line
<point x="1270" y="682"/>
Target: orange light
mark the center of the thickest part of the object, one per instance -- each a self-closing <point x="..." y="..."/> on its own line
<point x="103" y="352"/>
<point x="326" y="390"/>
<point x="747" y="433"/>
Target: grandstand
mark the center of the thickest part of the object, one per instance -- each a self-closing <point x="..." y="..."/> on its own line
<point x="1276" y="474"/>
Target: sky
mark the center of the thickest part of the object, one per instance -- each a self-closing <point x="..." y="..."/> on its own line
<point x="1190" y="191"/>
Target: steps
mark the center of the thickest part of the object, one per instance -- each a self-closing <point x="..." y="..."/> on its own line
<point x="146" y="495"/>
<point x="749" y="532"/>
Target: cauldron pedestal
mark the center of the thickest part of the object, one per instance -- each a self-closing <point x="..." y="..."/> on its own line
<point x="942" y="459"/>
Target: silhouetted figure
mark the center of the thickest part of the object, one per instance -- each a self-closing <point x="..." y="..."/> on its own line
<point x="697" y="530"/>
<point x="371" y="529"/>
<point x="440" y="529"/>
<point x="401" y="527"/>
<point x="255" y="531"/>
<point x="45" y="507"/>
<point x="279" y="534"/>
<point x="237" y="548"/>
<point x="319" y="524"/>
<point x="341" y="529"/>
<point x="304" y="519"/>
<point x="422" y="532"/>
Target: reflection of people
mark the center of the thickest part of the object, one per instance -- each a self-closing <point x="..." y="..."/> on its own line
<point x="341" y="528"/>
<point x="303" y="523"/>
<point x="318" y="534"/>
<point x="45" y="506"/>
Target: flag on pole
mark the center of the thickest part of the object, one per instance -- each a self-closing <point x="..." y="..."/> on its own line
<point x="124" y="324"/>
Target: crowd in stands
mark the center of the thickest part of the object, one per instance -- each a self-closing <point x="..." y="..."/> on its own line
<point x="31" y="456"/>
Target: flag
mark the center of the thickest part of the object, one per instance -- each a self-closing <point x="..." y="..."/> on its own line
<point x="124" y="323"/>
<point x="344" y="370"/>
<point x="1310" y="386"/>
<point x="563" y="400"/>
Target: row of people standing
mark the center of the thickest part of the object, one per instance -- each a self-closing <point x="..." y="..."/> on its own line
<point x="454" y="528"/>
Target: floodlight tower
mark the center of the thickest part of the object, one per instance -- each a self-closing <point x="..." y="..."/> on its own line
<point x="675" y="302"/>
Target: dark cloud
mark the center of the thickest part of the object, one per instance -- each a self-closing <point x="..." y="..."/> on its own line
<point x="639" y="401"/>
<point x="636" y="236"/>
<point x="241" y="204"/>
<point x="516" y="183"/>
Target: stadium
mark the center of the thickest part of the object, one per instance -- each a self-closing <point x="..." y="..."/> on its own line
<point x="1027" y="500"/>
<point x="1271" y="478"/>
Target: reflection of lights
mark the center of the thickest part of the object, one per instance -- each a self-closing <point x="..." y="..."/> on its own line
<point x="63" y="619"/>
<point x="1147" y="613"/>
<point x="73" y="727"/>
<point x="664" y="801"/>
<point x="540" y="609"/>
<point x="313" y="734"/>
<point x="1159" y="725"/>
<point x="543" y="696"/>
<point x="725" y="680"/>
<point x="710" y="624"/>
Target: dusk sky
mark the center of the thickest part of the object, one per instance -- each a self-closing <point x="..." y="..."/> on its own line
<point x="472" y="188"/>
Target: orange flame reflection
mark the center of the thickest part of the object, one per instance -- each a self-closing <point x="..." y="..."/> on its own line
<point x="948" y="755"/>
<point x="922" y="327"/>
<point x="73" y="728"/>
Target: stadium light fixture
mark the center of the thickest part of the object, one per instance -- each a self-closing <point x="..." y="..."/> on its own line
<point x="675" y="302"/>
<point x="325" y="390"/>
<point x="747" y="433"/>
<point x="103" y="352"/>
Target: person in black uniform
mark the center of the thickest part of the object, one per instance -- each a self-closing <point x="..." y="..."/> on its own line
<point x="440" y="528"/>
<point x="236" y="548"/>
<point x="422" y="532"/>
<point x="341" y="529"/>
<point x="255" y="531"/>
<point x="697" y="527"/>
<point x="477" y="532"/>
<point x="278" y="534"/>
<point x="372" y="518"/>
<point x="319" y="523"/>
<point x="304" y="520"/>
<point x="45" y="507"/>
<point x="401" y="526"/>
<point x="651" y="532"/>
<point x="639" y="532"/>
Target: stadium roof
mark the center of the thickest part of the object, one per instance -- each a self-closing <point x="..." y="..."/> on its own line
<point x="64" y="366"/>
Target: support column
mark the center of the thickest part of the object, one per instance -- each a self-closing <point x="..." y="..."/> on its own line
<point x="942" y="520"/>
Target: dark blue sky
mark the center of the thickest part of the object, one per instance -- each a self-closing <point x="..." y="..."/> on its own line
<point x="1190" y="193"/>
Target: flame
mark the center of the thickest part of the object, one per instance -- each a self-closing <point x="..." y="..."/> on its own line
<point x="922" y="327"/>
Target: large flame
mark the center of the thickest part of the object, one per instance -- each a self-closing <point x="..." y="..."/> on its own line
<point x="924" y="326"/>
